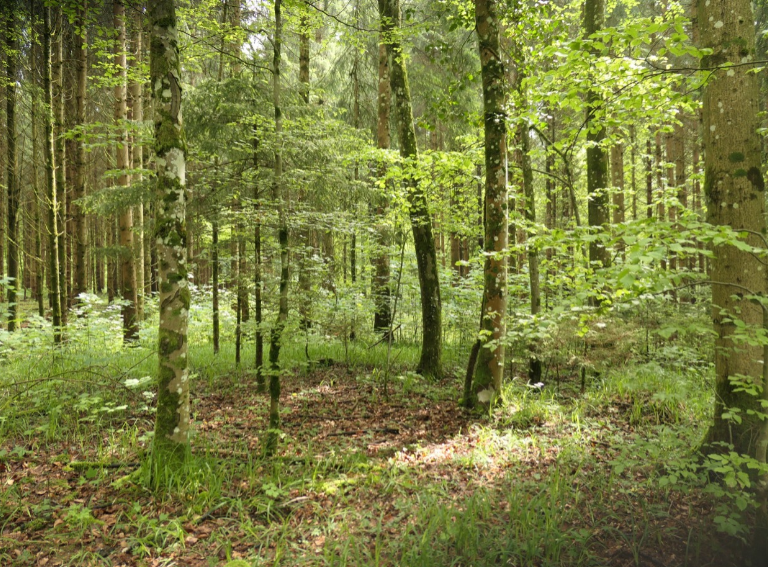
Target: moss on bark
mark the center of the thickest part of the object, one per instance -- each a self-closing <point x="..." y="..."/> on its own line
<point x="172" y="423"/>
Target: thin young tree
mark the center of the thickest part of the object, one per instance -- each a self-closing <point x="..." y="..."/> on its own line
<point x="137" y="156"/>
<point x="50" y="180"/>
<point x="11" y="55"/>
<point x="380" y="282"/>
<point x="282" y="237"/>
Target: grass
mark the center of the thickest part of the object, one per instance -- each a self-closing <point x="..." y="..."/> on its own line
<point x="551" y="478"/>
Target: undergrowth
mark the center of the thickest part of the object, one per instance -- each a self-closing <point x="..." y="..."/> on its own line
<point x="369" y="473"/>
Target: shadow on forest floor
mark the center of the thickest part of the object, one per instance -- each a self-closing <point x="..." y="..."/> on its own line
<point x="361" y="479"/>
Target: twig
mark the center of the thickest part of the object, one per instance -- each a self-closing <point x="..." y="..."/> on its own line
<point x="390" y="430"/>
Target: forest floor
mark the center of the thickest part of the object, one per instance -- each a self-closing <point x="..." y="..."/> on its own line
<point x="552" y="478"/>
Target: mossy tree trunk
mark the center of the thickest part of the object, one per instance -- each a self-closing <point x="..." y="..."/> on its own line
<point x="597" y="156"/>
<point x="282" y="237"/>
<point x="735" y="193"/>
<point x="489" y="370"/>
<point x="734" y="187"/>
<point x="11" y="55"/>
<point x="50" y="180"/>
<point x="171" y="441"/>
<point x="430" y="361"/>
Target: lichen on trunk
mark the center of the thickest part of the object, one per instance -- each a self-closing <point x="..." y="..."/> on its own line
<point x="172" y="424"/>
<point x="489" y="369"/>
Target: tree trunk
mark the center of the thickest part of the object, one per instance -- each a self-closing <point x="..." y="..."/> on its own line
<point x="215" y="283"/>
<point x="489" y="370"/>
<point x="304" y="234"/>
<point x="380" y="283"/>
<point x="80" y="280"/>
<point x="430" y="362"/>
<point x="171" y="442"/>
<point x="11" y="165"/>
<point x="597" y="157"/>
<point x="127" y="271"/>
<point x="61" y="192"/>
<point x="661" y="214"/>
<point x="39" y="263"/>
<point x="735" y="190"/>
<point x="257" y="276"/>
<point x="50" y="179"/>
<point x="282" y="237"/>
<point x="137" y="161"/>
<point x="649" y="178"/>
<point x="617" y="184"/>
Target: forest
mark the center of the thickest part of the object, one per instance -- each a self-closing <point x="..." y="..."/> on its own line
<point x="409" y="283"/>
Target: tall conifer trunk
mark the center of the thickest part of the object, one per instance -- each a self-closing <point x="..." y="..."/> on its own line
<point x="80" y="280"/>
<point x="171" y="442"/>
<point x="50" y="180"/>
<point x="59" y="149"/>
<point x="127" y="271"/>
<point x="430" y="361"/>
<point x="11" y="164"/>
<point x="137" y="160"/>
<point x="39" y="263"/>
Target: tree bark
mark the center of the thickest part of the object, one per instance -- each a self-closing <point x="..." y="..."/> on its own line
<point x="380" y="283"/>
<point x="430" y="362"/>
<point x="127" y="270"/>
<point x="735" y="191"/>
<point x="37" y="228"/>
<point x="489" y="370"/>
<point x="171" y="442"/>
<point x="282" y="237"/>
<point x="597" y="156"/>
<point x="50" y="179"/>
<point x="80" y="280"/>
<point x="257" y="275"/>
<point x="61" y="189"/>
<point x="11" y="164"/>
<point x="215" y="283"/>
<point x="137" y="161"/>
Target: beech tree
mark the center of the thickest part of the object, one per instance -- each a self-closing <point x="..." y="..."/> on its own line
<point x="172" y="423"/>
<point x="489" y="371"/>
<point x="734" y="187"/>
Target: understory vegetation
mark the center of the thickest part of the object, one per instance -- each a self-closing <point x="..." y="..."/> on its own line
<point x="376" y="465"/>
